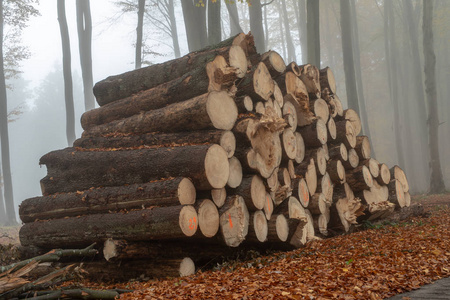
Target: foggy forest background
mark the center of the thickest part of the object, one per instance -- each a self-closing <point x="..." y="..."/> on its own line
<point x="375" y="49"/>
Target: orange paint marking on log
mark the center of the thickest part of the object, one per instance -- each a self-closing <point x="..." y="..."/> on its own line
<point x="229" y="221"/>
<point x="268" y="203"/>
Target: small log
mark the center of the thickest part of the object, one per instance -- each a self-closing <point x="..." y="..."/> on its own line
<point x="253" y="192"/>
<point x="309" y="172"/>
<point x="208" y="111"/>
<point x="174" y="222"/>
<point x="325" y="150"/>
<point x="257" y="84"/>
<point x="345" y="133"/>
<point x="294" y="68"/>
<point x="338" y="152"/>
<point x="319" y="204"/>
<point x="300" y="190"/>
<point x="70" y="171"/>
<point x="258" y="228"/>
<point x="325" y="187"/>
<point x="284" y="178"/>
<point x="396" y="193"/>
<point x="352" y="161"/>
<point x="289" y="144"/>
<point x="326" y="78"/>
<point x="336" y="171"/>
<point x="332" y="130"/>
<point x="315" y="134"/>
<point x="362" y="147"/>
<point x="235" y="177"/>
<point x="320" y="109"/>
<point x="301" y="104"/>
<point x="309" y="74"/>
<point x="244" y="104"/>
<point x="289" y="110"/>
<point x="234" y="221"/>
<point x="359" y="178"/>
<point x="407" y="199"/>
<point x="278" y="229"/>
<point x="385" y="175"/>
<point x="208" y="217"/>
<point x="291" y="168"/>
<point x="321" y="225"/>
<point x="268" y="206"/>
<point x="318" y="154"/>
<point x="171" y="192"/>
<point x="291" y="209"/>
<point x="373" y="166"/>
<point x="273" y="182"/>
<point x="218" y="196"/>
<point x="274" y="63"/>
<point x="351" y="116"/>
<point x="299" y="157"/>
<point x="338" y="106"/>
<point x="399" y="174"/>
<point x="278" y="96"/>
<point x="260" y="108"/>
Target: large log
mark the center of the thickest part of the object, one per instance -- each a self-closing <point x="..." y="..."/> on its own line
<point x="257" y="84"/>
<point x="289" y="144"/>
<point x="345" y="212"/>
<point x="289" y="110"/>
<point x="224" y="138"/>
<point x="208" y="217"/>
<point x="320" y="109"/>
<point x="336" y="171"/>
<point x="208" y="111"/>
<point x="69" y="170"/>
<point x="123" y="85"/>
<point x="396" y="193"/>
<point x="173" y="222"/>
<point x="300" y="156"/>
<point x="253" y="192"/>
<point x="300" y="190"/>
<point x="171" y="192"/>
<point x="309" y="74"/>
<point x="268" y="206"/>
<point x="234" y="221"/>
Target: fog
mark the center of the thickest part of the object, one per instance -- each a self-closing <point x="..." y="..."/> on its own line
<point x="382" y="41"/>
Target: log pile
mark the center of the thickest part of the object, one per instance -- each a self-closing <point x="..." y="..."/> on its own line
<point x="223" y="148"/>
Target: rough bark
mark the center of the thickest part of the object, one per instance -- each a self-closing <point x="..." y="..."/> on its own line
<point x="253" y="192"/>
<point x="327" y="80"/>
<point x="362" y="147"/>
<point x="314" y="135"/>
<point x="234" y="221"/>
<point x="359" y="178"/>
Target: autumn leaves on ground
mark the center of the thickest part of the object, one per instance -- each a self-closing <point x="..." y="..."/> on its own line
<point x="373" y="263"/>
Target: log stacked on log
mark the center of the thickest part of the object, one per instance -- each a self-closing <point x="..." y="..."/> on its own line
<point x="221" y="148"/>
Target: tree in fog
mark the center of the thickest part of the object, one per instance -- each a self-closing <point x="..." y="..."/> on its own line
<point x="84" y="27"/>
<point x="14" y="15"/>
<point x="300" y="16"/>
<point x="436" y="183"/>
<point x="67" y="71"/>
<point x="313" y="32"/>
<point x="214" y="24"/>
<point x="256" y="24"/>
<point x="139" y="34"/>
<point x="233" y="14"/>
<point x="194" y="14"/>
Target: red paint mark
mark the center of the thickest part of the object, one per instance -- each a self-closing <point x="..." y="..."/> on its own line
<point x="268" y="204"/>
<point x="193" y="224"/>
<point x="229" y="220"/>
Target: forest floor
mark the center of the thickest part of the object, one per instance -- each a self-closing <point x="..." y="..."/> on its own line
<point x="375" y="262"/>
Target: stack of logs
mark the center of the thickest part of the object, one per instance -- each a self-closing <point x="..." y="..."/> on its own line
<point x="221" y="148"/>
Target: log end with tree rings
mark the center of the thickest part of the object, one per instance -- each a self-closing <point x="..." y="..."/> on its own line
<point x="350" y="135"/>
<point x="322" y="131"/>
<point x="222" y="110"/>
<point x="353" y="158"/>
<point x="248" y="103"/>
<point x="219" y="196"/>
<point x="325" y="149"/>
<point x="235" y="177"/>
<point x="362" y="147"/>
<point x="353" y="118"/>
<point x="340" y="172"/>
<point x="238" y="60"/>
<point x="289" y="143"/>
<point x="272" y="181"/>
<point x="228" y="142"/>
<point x="331" y="129"/>
<point x="326" y="187"/>
<point x="234" y="220"/>
<point x="294" y="68"/>
<point x="208" y="217"/>
<point x="321" y="161"/>
<point x="219" y="74"/>
<point x="368" y="179"/>
<point x="217" y="167"/>
<point x="399" y="174"/>
<point x="289" y="108"/>
<point x="311" y="177"/>
<point x="338" y="106"/>
<point x="262" y="82"/>
<point x="343" y="151"/>
<point x="282" y="228"/>
<point x="385" y="176"/>
<point x="186" y="192"/>
<point x="373" y="166"/>
<point x="396" y="193"/>
<point x="274" y="63"/>
<point x="188" y="220"/>
<point x="187" y="267"/>
<point x="300" y="155"/>
<point x="303" y="193"/>
<point x="260" y="226"/>
<point x="327" y="80"/>
<point x="320" y="109"/>
<point x="278" y="95"/>
<point x="268" y="206"/>
<point x="407" y="199"/>
<point x="258" y="192"/>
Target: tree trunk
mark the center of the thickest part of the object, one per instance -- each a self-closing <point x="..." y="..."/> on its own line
<point x="234" y="18"/>
<point x="194" y="27"/>
<point x="313" y="29"/>
<point x="3" y="216"/>
<point x="173" y="28"/>
<point x="289" y="43"/>
<point x="437" y="185"/>
<point x="214" y="23"/>
<point x="139" y="34"/>
<point x="84" y="26"/>
<point x="207" y="111"/>
<point x="70" y="171"/>
<point x="171" y="192"/>
<point x="173" y="222"/>
<point x="68" y="87"/>
<point x="256" y="26"/>
<point x="4" y="134"/>
<point x="300" y="14"/>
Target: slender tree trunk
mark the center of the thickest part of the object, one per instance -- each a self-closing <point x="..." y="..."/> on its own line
<point x="234" y="18"/>
<point x="4" y="135"/>
<point x="200" y="20"/>
<point x="347" y="50"/>
<point x="436" y="183"/>
<point x="195" y="24"/>
<point x="329" y="41"/>
<point x="280" y="21"/>
<point x="266" y="27"/>
<point x="313" y="29"/>
<point x="302" y="32"/>
<point x="214" y="26"/>
<point x="173" y="28"/>
<point x="84" y="26"/>
<point x="67" y="70"/>
<point x="139" y="34"/>
<point x="289" y="43"/>
<point x="2" y="206"/>
<point x="256" y="25"/>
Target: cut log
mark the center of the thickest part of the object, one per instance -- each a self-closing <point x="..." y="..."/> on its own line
<point x="253" y="192"/>
<point x="345" y="133"/>
<point x="336" y="171"/>
<point x="274" y="63"/>
<point x="385" y="175"/>
<point x="338" y="152"/>
<point x="257" y="84"/>
<point x="397" y="173"/>
<point x="318" y="154"/>
<point x="289" y="110"/>
<point x="282" y="193"/>
<point x="315" y="134"/>
<point x="174" y="222"/>
<point x="284" y="178"/>
<point x="362" y="147"/>
<point x="278" y="95"/>
<point x="244" y="104"/>
<point x="319" y="204"/>
<point x="338" y="106"/>
<point x="359" y="178"/>
<point x="325" y="150"/>
<point x="331" y="106"/>
<point x="352" y="161"/>
<point x="218" y="196"/>
<point x="396" y="193"/>
<point x="351" y="116"/>
<point x="129" y="83"/>
<point x="310" y="174"/>
<point x="300" y="190"/>
<point x="373" y="166"/>
<point x="171" y="192"/>
<point x="309" y="226"/>
<point x="258" y="228"/>
<point x="325" y="187"/>
<point x="348" y="210"/>
<point x="300" y="102"/>
<point x="268" y="206"/>
<point x="260" y="108"/>
<point x="208" y="111"/>
<point x="299" y="157"/>
<point x="309" y="74"/>
<point x="332" y="130"/>
<point x="343" y="191"/>
<point x="289" y="144"/>
<point x="320" y="109"/>
<point x="278" y="229"/>
<point x="234" y="221"/>
<point x="208" y="217"/>
<point x="293" y="67"/>
<point x="327" y="80"/>
<point x="321" y="225"/>
<point x="273" y="182"/>
<point x="291" y="209"/>
<point x="407" y="199"/>
<point x="70" y="171"/>
<point x="224" y="138"/>
<point x="235" y="177"/>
